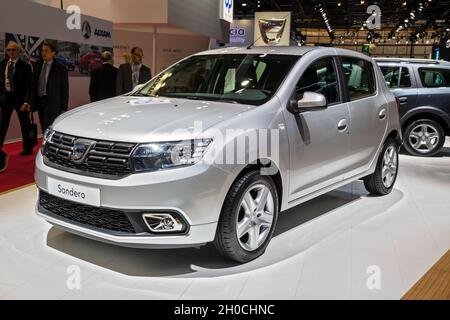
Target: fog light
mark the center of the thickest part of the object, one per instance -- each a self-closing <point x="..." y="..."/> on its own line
<point x="163" y="222"/>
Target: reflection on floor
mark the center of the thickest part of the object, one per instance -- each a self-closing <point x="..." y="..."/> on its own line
<point x="343" y="245"/>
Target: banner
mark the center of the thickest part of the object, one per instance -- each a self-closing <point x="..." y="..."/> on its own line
<point x="272" y="28"/>
<point x="78" y="48"/>
<point x="79" y="59"/>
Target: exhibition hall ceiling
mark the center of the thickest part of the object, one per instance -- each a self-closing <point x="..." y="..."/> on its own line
<point x="350" y="14"/>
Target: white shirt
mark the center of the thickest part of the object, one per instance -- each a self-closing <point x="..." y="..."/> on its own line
<point x="7" y="84"/>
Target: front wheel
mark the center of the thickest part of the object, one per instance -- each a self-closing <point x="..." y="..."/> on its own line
<point x="248" y="218"/>
<point x="382" y="181"/>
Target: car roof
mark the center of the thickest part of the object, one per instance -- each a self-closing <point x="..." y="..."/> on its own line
<point x="412" y="61"/>
<point x="282" y="50"/>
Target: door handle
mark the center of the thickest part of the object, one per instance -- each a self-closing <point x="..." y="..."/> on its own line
<point x="403" y="100"/>
<point x="382" y="114"/>
<point x="342" y="125"/>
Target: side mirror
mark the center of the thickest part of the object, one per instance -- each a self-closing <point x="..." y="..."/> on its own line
<point x="310" y="101"/>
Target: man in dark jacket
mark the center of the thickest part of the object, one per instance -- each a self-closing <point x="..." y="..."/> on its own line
<point x="133" y="73"/>
<point x="103" y="79"/>
<point x="51" y="87"/>
<point x="15" y="92"/>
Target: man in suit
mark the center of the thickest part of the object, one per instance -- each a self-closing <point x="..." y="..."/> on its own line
<point x="51" y="86"/>
<point x="15" y="89"/>
<point x="103" y="79"/>
<point x="133" y="73"/>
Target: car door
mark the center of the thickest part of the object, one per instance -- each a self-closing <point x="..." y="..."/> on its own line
<point x="401" y="81"/>
<point x="368" y="112"/>
<point x="318" y="139"/>
<point x="435" y="89"/>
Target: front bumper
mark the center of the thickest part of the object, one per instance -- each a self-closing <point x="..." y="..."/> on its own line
<point x="196" y="192"/>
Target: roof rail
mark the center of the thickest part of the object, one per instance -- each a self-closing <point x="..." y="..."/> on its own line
<point x="408" y="60"/>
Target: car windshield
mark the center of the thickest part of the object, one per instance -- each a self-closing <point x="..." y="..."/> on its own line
<point x="242" y="78"/>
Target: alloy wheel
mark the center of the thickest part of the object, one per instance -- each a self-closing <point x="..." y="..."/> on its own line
<point x="424" y="138"/>
<point x="255" y="217"/>
<point x="389" y="167"/>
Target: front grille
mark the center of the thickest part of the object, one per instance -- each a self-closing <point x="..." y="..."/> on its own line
<point x="100" y="218"/>
<point x="104" y="159"/>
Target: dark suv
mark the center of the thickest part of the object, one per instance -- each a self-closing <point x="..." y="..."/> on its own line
<point x="423" y="90"/>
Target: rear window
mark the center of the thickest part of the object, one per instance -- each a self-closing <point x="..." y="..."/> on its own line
<point x="360" y="77"/>
<point x="396" y="77"/>
<point x="434" y="78"/>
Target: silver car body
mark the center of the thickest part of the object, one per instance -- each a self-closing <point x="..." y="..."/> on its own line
<point x="312" y="162"/>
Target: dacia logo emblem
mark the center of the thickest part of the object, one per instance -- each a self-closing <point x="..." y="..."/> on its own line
<point x="80" y="150"/>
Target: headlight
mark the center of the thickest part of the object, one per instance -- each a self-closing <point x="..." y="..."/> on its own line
<point x="165" y="155"/>
<point x="48" y="134"/>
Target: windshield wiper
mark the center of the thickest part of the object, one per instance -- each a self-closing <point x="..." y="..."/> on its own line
<point x="140" y="94"/>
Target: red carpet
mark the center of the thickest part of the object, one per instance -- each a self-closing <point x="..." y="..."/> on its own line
<point x="20" y="170"/>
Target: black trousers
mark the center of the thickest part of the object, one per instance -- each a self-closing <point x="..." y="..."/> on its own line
<point x="44" y="113"/>
<point x="25" y="123"/>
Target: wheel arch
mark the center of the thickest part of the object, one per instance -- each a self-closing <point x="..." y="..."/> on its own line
<point x="427" y="114"/>
<point x="277" y="178"/>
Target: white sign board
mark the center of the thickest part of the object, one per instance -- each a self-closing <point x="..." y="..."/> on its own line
<point x="226" y="10"/>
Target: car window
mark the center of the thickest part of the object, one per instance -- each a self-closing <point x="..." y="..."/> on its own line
<point x="405" y="78"/>
<point x="320" y="77"/>
<point x="391" y="76"/>
<point x="243" y="78"/>
<point x="395" y="78"/>
<point x="359" y="76"/>
<point x="434" y="78"/>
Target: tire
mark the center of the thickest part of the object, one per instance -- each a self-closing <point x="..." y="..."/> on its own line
<point x="236" y="210"/>
<point x="414" y="133"/>
<point x="377" y="183"/>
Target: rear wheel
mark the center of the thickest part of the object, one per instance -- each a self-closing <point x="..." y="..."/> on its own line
<point x="382" y="181"/>
<point x="248" y="218"/>
<point x="424" y="138"/>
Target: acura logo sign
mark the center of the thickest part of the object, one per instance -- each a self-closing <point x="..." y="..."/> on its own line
<point x="86" y="30"/>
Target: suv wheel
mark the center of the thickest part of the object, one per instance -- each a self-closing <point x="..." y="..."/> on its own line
<point x="382" y="181"/>
<point x="248" y="218"/>
<point x="424" y="138"/>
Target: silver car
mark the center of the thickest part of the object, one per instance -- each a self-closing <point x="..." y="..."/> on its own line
<point x="216" y="146"/>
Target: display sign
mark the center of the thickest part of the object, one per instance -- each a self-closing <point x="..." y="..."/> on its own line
<point x="90" y="31"/>
<point x="272" y="28"/>
<point x="226" y="10"/>
<point x="366" y="49"/>
<point x="241" y="33"/>
<point x="79" y="46"/>
<point x="444" y="49"/>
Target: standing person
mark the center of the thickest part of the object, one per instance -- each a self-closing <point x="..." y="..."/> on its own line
<point x="16" y="83"/>
<point x="103" y="79"/>
<point x="51" y="86"/>
<point x="133" y="73"/>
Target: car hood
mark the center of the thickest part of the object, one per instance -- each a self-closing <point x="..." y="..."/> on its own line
<point x="145" y="119"/>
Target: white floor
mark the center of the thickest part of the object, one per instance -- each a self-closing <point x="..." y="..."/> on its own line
<point x="323" y="249"/>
